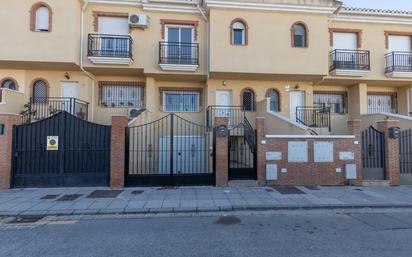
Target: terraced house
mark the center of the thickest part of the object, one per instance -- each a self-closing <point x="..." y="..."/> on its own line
<point x="306" y="91"/>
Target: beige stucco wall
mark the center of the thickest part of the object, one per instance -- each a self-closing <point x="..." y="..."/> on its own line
<point x="269" y="43"/>
<point x="18" y="43"/>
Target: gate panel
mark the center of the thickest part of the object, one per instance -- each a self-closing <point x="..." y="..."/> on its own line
<point x="405" y="156"/>
<point x="242" y="152"/>
<point x="82" y="158"/>
<point x="169" y="151"/>
<point x="373" y="154"/>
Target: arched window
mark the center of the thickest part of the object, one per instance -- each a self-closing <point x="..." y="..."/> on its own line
<point x="40" y="89"/>
<point x="248" y="100"/>
<point x="274" y="100"/>
<point x="299" y="35"/>
<point x="9" y="83"/>
<point x="238" y="32"/>
<point x="40" y="17"/>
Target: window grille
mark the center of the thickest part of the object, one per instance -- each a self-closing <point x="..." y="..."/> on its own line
<point x="10" y="84"/>
<point x="335" y="101"/>
<point x="40" y="91"/>
<point x="274" y="100"/>
<point x="184" y="100"/>
<point x="248" y="100"/>
<point x="122" y="95"/>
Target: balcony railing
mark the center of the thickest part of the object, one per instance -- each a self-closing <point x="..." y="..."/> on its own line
<point x="349" y="60"/>
<point x="43" y="107"/>
<point x="178" y="53"/>
<point x="313" y="116"/>
<point x="398" y="61"/>
<point x="102" y="45"/>
<point x="235" y="114"/>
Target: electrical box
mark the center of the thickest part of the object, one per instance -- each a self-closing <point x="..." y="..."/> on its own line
<point x="394" y="132"/>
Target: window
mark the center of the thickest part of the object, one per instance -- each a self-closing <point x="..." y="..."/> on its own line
<point x="121" y="94"/>
<point x="238" y="32"/>
<point x="40" y="17"/>
<point x="382" y="102"/>
<point x="274" y="100"/>
<point x="336" y="101"/>
<point x="185" y="100"/>
<point x="299" y="35"/>
<point x="9" y="83"/>
<point x="40" y="91"/>
<point x="248" y="100"/>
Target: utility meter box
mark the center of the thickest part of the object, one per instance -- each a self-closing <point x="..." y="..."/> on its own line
<point x="394" y="132"/>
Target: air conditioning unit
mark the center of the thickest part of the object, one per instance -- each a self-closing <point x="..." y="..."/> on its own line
<point x="138" y="20"/>
<point x="134" y="112"/>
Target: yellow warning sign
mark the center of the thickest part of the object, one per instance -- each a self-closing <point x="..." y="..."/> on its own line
<point x="52" y="143"/>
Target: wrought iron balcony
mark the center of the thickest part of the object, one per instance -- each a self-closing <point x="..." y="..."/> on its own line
<point x="179" y="53"/>
<point x="43" y="107"/>
<point x="398" y="61"/>
<point x="116" y="46"/>
<point x="314" y="116"/>
<point x="341" y="59"/>
<point x="235" y="114"/>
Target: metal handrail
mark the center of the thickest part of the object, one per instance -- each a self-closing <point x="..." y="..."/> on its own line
<point x="107" y="45"/>
<point x="349" y="59"/>
<point x="178" y="53"/>
<point x="398" y="61"/>
<point x="314" y="117"/>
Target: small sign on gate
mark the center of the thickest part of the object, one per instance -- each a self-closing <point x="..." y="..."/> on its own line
<point x="52" y="143"/>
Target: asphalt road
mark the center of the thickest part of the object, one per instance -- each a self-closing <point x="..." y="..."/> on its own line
<point x="317" y="233"/>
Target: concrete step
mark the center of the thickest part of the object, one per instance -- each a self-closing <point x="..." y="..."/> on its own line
<point x="243" y="183"/>
<point x="369" y="183"/>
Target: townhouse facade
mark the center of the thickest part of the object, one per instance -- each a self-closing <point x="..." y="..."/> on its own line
<point x="307" y="67"/>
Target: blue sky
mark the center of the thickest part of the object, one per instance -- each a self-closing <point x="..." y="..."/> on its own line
<point x="381" y="4"/>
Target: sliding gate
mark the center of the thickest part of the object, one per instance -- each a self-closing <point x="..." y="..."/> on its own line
<point x="405" y="157"/>
<point x="169" y="151"/>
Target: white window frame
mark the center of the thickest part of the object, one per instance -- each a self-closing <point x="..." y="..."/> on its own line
<point x="177" y="92"/>
<point x="243" y="28"/>
<point x="42" y="22"/>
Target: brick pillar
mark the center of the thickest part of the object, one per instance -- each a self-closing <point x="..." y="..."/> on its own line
<point x="260" y="150"/>
<point x="6" y="141"/>
<point x="355" y="129"/>
<point x="117" y="151"/>
<point x="222" y="154"/>
<point x="391" y="152"/>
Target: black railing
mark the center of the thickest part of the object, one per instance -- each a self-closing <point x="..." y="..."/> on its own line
<point x="43" y="107"/>
<point x="314" y="117"/>
<point x="102" y="45"/>
<point x="349" y="60"/>
<point x="178" y="53"/>
<point x="235" y="114"/>
<point x="250" y="135"/>
<point x="398" y="61"/>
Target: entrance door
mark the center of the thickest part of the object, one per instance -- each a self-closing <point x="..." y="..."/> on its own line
<point x="297" y="99"/>
<point x="69" y="93"/>
<point x="179" y="48"/>
<point x="224" y="103"/>
<point x="345" y="44"/>
<point x="399" y="44"/>
<point x="373" y="154"/>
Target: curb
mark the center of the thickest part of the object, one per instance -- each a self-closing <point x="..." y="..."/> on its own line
<point x="203" y="209"/>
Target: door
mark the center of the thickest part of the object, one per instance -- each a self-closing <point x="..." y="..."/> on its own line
<point x="345" y="44"/>
<point x="373" y="154"/>
<point x="179" y="44"/>
<point x="114" y="39"/>
<point x="297" y="99"/>
<point x="399" y="44"/>
<point x="400" y="48"/>
<point x="224" y="103"/>
<point x="69" y="93"/>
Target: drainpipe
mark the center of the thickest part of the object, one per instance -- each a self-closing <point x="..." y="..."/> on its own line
<point x="88" y="74"/>
<point x="207" y="35"/>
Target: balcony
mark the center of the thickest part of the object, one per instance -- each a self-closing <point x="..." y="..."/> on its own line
<point x="352" y="63"/>
<point x="178" y="56"/>
<point x="398" y="65"/>
<point x="110" y="49"/>
<point x="314" y="116"/>
<point x="43" y="107"/>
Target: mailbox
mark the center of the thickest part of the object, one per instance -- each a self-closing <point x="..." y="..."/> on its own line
<point x="222" y="131"/>
<point x="394" y="132"/>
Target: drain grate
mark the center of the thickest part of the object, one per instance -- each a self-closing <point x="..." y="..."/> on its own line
<point x="25" y="219"/>
<point x="312" y="187"/>
<point x="104" y="194"/>
<point x="288" y="190"/>
<point x="69" y="197"/>
<point x="49" y="197"/>
<point x="137" y="192"/>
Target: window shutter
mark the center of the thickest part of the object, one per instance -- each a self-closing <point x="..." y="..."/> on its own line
<point x="42" y="19"/>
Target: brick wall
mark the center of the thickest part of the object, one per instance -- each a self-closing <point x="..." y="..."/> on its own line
<point x="117" y="151"/>
<point x="310" y="172"/>
<point x="6" y="148"/>
<point x="392" y="169"/>
<point x="222" y="158"/>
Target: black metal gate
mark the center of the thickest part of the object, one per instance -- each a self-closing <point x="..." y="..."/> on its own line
<point x="80" y="157"/>
<point x="242" y="151"/>
<point x="405" y="156"/>
<point x="169" y="151"/>
<point x="373" y="154"/>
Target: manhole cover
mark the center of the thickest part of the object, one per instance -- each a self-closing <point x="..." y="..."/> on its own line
<point x="25" y="219"/>
<point x="49" y="197"/>
<point x="137" y="192"/>
<point x="228" y="220"/>
<point x="288" y="190"/>
<point x="312" y="187"/>
<point x="104" y="194"/>
<point x="69" y="197"/>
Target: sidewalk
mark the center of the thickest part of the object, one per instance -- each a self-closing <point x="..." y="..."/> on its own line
<point x="66" y="201"/>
